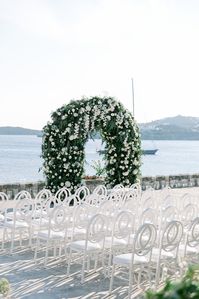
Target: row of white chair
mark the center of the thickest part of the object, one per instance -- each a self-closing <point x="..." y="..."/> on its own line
<point x="118" y="217"/>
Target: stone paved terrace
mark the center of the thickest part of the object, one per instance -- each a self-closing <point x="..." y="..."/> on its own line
<point x="35" y="281"/>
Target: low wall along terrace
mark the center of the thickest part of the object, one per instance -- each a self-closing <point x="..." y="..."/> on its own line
<point x="158" y="182"/>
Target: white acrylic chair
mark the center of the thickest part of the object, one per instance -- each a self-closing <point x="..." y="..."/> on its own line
<point x="81" y="217"/>
<point x="131" y="201"/>
<point x="43" y="194"/>
<point x="113" y="197"/>
<point x="121" y="230"/>
<point x="42" y="212"/>
<point x="131" y="195"/>
<point x="108" y="208"/>
<point x="55" y="234"/>
<point x="3" y="206"/>
<point x="190" y="248"/>
<point x="82" y="193"/>
<point x="147" y="193"/>
<point x="137" y="188"/>
<point x="140" y="256"/>
<point x="92" y="245"/>
<point x="20" y="223"/>
<point x="22" y="195"/>
<point x="168" y="214"/>
<point x="117" y="199"/>
<point x="120" y="192"/>
<point x="166" y="190"/>
<point x="149" y="215"/>
<point x="3" y="199"/>
<point x="40" y="201"/>
<point x="94" y="200"/>
<point x="185" y="199"/>
<point x="168" y="200"/>
<point x="63" y="194"/>
<point x="166" y="255"/>
<point x="189" y="213"/>
<point x="118" y="186"/>
<point x="100" y="190"/>
<point x="149" y="202"/>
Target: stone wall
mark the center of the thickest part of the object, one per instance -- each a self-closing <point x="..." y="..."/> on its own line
<point x="12" y="189"/>
<point x="174" y="181"/>
<point x="158" y="182"/>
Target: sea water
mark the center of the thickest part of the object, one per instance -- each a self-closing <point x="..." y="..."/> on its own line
<point x="20" y="158"/>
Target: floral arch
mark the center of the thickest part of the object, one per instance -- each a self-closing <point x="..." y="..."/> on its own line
<point x="65" y="137"/>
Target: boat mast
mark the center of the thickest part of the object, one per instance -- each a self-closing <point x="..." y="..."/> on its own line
<point x="133" y="97"/>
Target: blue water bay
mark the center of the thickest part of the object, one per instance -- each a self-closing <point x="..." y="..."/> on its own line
<point x="20" y="158"/>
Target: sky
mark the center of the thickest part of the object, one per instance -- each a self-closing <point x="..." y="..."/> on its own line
<point x="52" y="51"/>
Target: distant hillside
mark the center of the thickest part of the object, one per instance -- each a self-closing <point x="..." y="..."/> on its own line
<point x="18" y="131"/>
<point x="171" y="128"/>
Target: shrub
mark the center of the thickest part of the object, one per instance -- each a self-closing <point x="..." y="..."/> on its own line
<point x="4" y="286"/>
<point x="186" y="288"/>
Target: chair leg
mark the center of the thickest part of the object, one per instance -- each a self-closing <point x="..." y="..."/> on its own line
<point x="20" y="238"/>
<point x="109" y="263"/>
<point x="103" y="263"/>
<point x="157" y="275"/>
<point x="12" y="241"/>
<point x="83" y="268"/>
<point x="30" y="237"/>
<point x="36" y="249"/>
<point x="88" y="264"/>
<point x="55" y="251"/>
<point x="3" y="238"/>
<point x="60" y="251"/>
<point x="130" y="282"/>
<point x="139" y="276"/>
<point x="69" y="262"/>
<point x="46" y="254"/>
<point x="65" y="250"/>
<point x="96" y="262"/>
<point x="112" y="277"/>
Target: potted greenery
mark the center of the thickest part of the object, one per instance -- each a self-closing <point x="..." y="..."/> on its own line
<point x="4" y="287"/>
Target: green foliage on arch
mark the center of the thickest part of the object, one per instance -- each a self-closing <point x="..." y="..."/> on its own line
<point x="65" y="137"/>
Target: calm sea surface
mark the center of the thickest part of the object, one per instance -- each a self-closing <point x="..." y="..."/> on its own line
<point x="20" y="158"/>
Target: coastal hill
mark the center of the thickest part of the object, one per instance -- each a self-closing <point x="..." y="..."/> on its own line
<point x="171" y="128"/>
<point x="18" y="131"/>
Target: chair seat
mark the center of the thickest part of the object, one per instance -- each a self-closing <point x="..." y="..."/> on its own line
<point x="78" y="231"/>
<point x="192" y="249"/>
<point x="164" y="254"/>
<point x="116" y="242"/>
<point x="131" y="238"/>
<point x="10" y="215"/>
<point x="17" y="224"/>
<point x="81" y="244"/>
<point x="2" y="217"/>
<point x="40" y="222"/>
<point x="38" y="213"/>
<point x="189" y="249"/>
<point x="53" y="235"/>
<point x="125" y="259"/>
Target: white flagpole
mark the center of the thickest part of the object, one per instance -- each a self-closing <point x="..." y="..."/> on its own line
<point x="133" y="97"/>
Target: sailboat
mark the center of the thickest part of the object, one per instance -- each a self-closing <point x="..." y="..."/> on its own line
<point x="149" y="151"/>
<point x="144" y="151"/>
